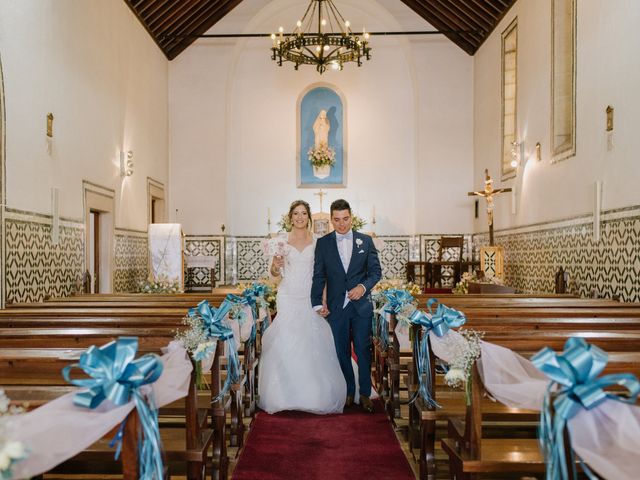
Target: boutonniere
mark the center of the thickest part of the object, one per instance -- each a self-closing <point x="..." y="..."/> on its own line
<point x="359" y="242"/>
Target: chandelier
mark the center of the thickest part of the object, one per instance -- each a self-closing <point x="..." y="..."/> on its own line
<point x="322" y="38"/>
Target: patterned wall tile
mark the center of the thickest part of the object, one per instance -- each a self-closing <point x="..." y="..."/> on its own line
<point x="394" y="256"/>
<point x="610" y="267"/>
<point x="35" y="267"/>
<point x="204" y="246"/>
<point x="131" y="261"/>
<point x="251" y="263"/>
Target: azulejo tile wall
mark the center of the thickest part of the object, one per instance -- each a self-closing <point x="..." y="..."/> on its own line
<point x="610" y="267"/>
<point x="204" y="246"/>
<point x="131" y="260"/>
<point x="35" y="266"/>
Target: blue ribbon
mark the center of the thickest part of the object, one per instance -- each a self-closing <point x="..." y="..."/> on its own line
<point x="255" y="296"/>
<point x="216" y="328"/>
<point x="117" y="376"/>
<point x="396" y="300"/>
<point x="575" y="383"/>
<point x="440" y="322"/>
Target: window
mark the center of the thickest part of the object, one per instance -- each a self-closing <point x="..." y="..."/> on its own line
<point x="563" y="79"/>
<point x="509" y="96"/>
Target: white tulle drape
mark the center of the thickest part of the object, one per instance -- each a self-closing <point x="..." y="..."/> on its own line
<point x="59" y="430"/>
<point x="607" y="437"/>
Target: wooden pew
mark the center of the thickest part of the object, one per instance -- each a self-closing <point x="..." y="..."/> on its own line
<point x="423" y="418"/>
<point x="189" y="445"/>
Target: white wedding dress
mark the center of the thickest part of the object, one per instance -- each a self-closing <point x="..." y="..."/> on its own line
<point x="299" y="368"/>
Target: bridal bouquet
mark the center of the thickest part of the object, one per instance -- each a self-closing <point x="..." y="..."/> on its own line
<point x="275" y="247"/>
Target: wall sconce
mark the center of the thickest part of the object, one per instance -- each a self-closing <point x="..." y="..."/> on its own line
<point x="538" y="152"/>
<point x="126" y="163"/>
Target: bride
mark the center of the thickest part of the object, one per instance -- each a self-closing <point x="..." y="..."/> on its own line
<point x="299" y="366"/>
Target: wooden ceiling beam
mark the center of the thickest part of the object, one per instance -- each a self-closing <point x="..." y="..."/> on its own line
<point x="420" y="9"/>
<point x="484" y="5"/>
<point x="155" y="7"/>
<point x="144" y="24"/>
<point x="223" y="9"/>
<point x="454" y="22"/>
<point x="446" y="11"/>
<point x="175" y="34"/>
<point x="478" y="14"/>
<point x="166" y="9"/>
<point x="176" y="24"/>
<point x="162" y="24"/>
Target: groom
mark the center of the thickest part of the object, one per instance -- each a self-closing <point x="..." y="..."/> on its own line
<point x="346" y="262"/>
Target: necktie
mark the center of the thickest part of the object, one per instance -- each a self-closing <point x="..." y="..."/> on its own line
<point x="344" y="248"/>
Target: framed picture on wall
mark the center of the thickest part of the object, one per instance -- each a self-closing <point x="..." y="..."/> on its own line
<point x="321" y="156"/>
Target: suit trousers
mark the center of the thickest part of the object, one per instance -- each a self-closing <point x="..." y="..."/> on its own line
<point x="346" y="325"/>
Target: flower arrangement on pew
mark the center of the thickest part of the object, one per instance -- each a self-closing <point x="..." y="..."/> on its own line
<point x="462" y="287"/>
<point x="11" y="451"/>
<point x="390" y="301"/>
<point x="161" y="285"/>
<point x="116" y="375"/>
<point x="466" y="352"/>
<point x="207" y="325"/>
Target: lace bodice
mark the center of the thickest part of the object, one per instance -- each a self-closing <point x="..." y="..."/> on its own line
<point x="298" y="271"/>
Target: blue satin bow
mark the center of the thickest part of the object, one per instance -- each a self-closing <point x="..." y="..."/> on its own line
<point x="575" y="383"/>
<point x="117" y="376"/>
<point x="216" y="328"/>
<point x="440" y="323"/>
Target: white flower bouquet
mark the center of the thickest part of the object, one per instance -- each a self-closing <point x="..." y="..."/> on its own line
<point x="275" y="247"/>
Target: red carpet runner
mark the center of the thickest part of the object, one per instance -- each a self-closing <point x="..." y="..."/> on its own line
<point x="295" y="445"/>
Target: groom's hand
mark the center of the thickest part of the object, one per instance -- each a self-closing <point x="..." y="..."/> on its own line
<point x="356" y="293"/>
<point x="324" y="311"/>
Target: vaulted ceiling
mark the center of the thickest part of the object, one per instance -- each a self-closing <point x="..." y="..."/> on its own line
<point x="174" y="25"/>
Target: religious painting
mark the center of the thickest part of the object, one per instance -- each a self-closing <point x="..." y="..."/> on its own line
<point x="321" y="156"/>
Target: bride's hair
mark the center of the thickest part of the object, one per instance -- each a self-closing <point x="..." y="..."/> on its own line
<point x="296" y="204"/>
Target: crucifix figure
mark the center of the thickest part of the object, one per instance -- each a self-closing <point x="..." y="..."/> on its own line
<point x="488" y="194"/>
<point x="321" y="194"/>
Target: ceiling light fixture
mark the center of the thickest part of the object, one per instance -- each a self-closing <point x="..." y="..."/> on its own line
<point x="331" y="43"/>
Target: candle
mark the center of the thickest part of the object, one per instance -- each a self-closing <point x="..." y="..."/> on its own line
<point x="269" y="214"/>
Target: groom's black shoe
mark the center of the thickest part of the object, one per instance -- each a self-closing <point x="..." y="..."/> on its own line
<point x="366" y="404"/>
<point x="349" y="401"/>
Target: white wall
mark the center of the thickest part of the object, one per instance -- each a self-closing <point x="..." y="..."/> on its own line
<point x="95" y="67"/>
<point x="608" y="73"/>
<point x="233" y="126"/>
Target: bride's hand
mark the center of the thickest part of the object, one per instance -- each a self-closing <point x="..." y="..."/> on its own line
<point x="278" y="262"/>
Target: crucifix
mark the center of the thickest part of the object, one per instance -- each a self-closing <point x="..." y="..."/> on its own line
<point x="321" y="194"/>
<point x="488" y="194"/>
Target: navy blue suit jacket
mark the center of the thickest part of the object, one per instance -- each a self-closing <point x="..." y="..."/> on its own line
<point x="364" y="268"/>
